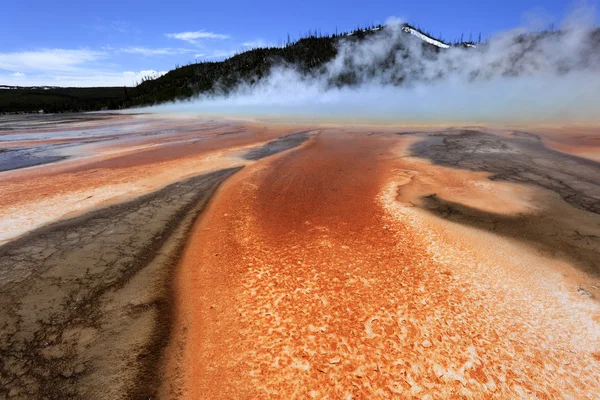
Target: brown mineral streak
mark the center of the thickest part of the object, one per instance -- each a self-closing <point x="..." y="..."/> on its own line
<point x="313" y="274"/>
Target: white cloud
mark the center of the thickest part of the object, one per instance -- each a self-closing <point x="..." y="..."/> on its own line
<point x="220" y="54"/>
<point x="192" y="37"/>
<point x="108" y="27"/>
<point x="121" y="26"/>
<point x="257" y="44"/>
<point x="145" y="51"/>
<point x="147" y="73"/>
<point x="48" y="59"/>
<point x="85" y="78"/>
<point x="76" y="68"/>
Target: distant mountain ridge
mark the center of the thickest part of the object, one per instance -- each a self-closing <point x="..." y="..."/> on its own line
<point x="307" y="55"/>
<point x="187" y="81"/>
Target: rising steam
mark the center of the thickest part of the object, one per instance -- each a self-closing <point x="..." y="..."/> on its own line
<point x="391" y="76"/>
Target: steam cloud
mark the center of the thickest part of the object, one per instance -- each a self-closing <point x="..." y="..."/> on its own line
<point x="517" y="76"/>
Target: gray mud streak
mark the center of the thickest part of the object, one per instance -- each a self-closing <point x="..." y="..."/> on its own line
<point x="523" y="159"/>
<point x="277" y="146"/>
<point x="558" y="237"/>
<point x="571" y="233"/>
<point x="16" y="159"/>
<point x="85" y="305"/>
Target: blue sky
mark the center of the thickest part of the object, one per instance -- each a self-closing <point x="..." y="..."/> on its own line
<point x="79" y="43"/>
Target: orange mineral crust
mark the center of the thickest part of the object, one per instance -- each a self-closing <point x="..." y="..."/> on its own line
<point x="312" y="274"/>
<point x="116" y="170"/>
<point x="580" y="141"/>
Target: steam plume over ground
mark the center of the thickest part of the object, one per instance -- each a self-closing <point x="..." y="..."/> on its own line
<point x="391" y="76"/>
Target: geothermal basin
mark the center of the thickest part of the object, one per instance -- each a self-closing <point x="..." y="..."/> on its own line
<point x="161" y="256"/>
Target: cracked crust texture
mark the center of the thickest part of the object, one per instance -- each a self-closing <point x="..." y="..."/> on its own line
<point x="319" y="273"/>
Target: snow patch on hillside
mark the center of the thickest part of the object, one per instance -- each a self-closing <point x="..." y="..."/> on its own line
<point x="425" y="38"/>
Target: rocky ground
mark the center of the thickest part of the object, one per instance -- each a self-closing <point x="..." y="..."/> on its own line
<point x="84" y="305"/>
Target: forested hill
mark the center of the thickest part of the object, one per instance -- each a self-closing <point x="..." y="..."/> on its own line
<point x="306" y="54"/>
